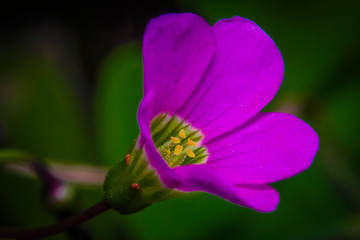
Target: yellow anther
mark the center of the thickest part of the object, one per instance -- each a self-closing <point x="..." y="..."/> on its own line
<point x="178" y="149"/>
<point x="175" y="139"/>
<point x="191" y="142"/>
<point x="182" y="133"/>
<point x="190" y="153"/>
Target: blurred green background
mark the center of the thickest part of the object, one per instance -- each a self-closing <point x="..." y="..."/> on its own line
<point x="71" y="81"/>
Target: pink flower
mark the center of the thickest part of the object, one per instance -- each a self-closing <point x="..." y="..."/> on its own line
<point x="208" y="84"/>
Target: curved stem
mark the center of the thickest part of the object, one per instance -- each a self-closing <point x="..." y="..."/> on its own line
<point x="57" y="227"/>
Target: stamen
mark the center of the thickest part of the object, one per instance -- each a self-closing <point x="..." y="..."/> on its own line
<point x="175" y="139"/>
<point x="190" y="153"/>
<point x="191" y="142"/>
<point x="182" y="133"/>
<point x="178" y="149"/>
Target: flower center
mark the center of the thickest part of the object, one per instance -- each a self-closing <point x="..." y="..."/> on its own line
<point x="177" y="141"/>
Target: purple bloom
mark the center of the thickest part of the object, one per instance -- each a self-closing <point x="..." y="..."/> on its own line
<point x="199" y="119"/>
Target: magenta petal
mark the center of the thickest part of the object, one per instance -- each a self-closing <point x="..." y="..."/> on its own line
<point x="244" y="75"/>
<point x="261" y="198"/>
<point x="177" y="49"/>
<point x="169" y="178"/>
<point x="218" y="79"/>
<point x="268" y="148"/>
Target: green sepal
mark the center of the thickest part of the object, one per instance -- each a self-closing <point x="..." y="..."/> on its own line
<point x="119" y="193"/>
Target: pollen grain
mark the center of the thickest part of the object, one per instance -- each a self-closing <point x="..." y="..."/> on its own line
<point x="190" y="153"/>
<point x="175" y="139"/>
<point x="191" y="142"/>
<point x="182" y="133"/>
<point x="178" y="149"/>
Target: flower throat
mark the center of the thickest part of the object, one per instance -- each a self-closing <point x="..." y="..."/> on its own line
<point x="177" y="141"/>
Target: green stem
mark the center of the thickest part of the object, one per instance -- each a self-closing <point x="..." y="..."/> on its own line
<point x="57" y="227"/>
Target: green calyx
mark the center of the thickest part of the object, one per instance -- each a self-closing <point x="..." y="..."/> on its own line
<point x="133" y="184"/>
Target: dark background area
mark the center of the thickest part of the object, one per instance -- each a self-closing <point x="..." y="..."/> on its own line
<point x="71" y="81"/>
